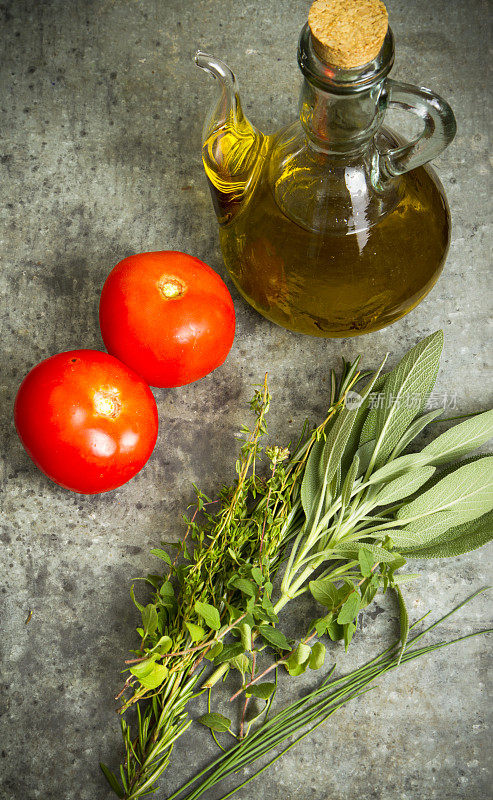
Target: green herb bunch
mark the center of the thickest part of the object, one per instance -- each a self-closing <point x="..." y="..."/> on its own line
<point x="219" y="580"/>
<point x="301" y="717"/>
<point x="336" y="517"/>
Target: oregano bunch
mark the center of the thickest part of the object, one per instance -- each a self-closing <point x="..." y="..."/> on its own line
<point x="335" y="516"/>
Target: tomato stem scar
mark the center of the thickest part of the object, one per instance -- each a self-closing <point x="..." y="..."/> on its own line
<point x="171" y="287"/>
<point x="107" y="404"/>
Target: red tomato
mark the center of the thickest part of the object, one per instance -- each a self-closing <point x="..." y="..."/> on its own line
<point x="168" y="316"/>
<point x="86" y="420"/>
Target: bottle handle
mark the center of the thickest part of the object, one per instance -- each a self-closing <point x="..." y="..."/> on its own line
<point x="439" y="128"/>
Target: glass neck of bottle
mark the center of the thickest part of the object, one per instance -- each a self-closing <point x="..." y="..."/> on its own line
<point x="341" y="109"/>
<point x="341" y="124"/>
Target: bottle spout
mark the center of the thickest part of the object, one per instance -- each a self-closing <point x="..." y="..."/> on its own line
<point x="231" y="145"/>
<point x="226" y="110"/>
<point x="215" y="67"/>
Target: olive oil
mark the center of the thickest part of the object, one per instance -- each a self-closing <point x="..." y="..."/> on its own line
<point x="334" y="283"/>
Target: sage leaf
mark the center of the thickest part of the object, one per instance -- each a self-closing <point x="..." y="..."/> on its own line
<point x="455" y="541"/>
<point x="196" y="632"/>
<point x="400" y="466"/>
<point x="369" y="429"/>
<point x="324" y="592"/>
<point x="331" y="456"/>
<point x="464" y="494"/>
<point x="312" y="478"/>
<point x="405" y="393"/>
<point x="414" y="430"/>
<point x="347" y="486"/>
<point x="263" y="691"/>
<point x="364" y="453"/>
<point x="349" y="609"/>
<point x="317" y="656"/>
<point x="426" y="531"/>
<point x="403" y="486"/>
<point x="209" y="614"/>
<point x="365" y="426"/>
<point x="336" y="442"/>
<point x="338" y="437"/>
<point x="216" y="722"/>
<point x="274" y="637"/>
<point x="460" y="439"/>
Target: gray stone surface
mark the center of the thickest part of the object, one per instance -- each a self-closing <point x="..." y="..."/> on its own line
<point x="102" y="110"/>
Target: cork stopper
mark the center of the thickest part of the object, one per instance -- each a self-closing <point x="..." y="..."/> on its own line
<point x="348" y="33"/>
